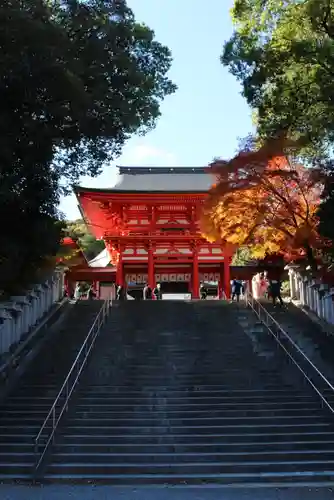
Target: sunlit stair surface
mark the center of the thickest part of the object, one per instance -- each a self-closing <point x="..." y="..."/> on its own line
<point x="24" y="411"/>
<point x="186" y="394"/>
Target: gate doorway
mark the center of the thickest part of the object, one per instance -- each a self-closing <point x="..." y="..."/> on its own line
<point x="175" y="290"/>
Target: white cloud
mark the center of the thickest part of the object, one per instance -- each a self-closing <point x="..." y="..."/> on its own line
<point x="147" y="155"/>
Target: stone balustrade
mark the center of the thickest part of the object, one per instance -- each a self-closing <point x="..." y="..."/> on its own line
<point x="316" y="295"/>
<point x="21" y="314"/>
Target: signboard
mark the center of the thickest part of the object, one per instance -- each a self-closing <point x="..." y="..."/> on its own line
<point x="207" y="277"/>
<point x="170" y="277"/>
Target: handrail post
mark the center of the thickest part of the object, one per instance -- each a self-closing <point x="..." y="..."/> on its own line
<point x="53" y="423"/>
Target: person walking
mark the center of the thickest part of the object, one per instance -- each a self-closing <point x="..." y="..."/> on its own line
<point x="266" y="285"/>
<point x="236" y="290"/>
<point x="91" y="293"/>
<point x="120" y="293"/>
<point x="275" y="291"/>
<point x="203" y="293"/>
<point x="77" y="292"/>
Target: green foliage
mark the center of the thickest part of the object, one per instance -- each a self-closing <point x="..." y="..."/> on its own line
<point x="282" y="51"/>
<point x="285" y="289"/>
<point x="88" y="243"/>
<point x="242" y="257"/>
<point x="78" y="78"/>
<point x="326" y="217"/>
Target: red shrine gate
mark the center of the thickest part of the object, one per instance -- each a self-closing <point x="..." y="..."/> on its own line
<point x="149" y="223"/>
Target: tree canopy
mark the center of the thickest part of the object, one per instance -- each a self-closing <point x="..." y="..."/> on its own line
<point x="78" y="78"/>
<point x="265" y="201"/>
<point x="78" y="231"/>
<point x="282" y="52"/>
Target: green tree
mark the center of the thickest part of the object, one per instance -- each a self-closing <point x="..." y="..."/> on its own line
<point x="78" y="78"/>
<point x="242" y="257"/>
<point x="326" y="217"/>
<point x="282" y="52"/>
<point x="88" y="243"/>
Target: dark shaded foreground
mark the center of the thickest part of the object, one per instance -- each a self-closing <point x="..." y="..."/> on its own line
<point x="79" y="492"/>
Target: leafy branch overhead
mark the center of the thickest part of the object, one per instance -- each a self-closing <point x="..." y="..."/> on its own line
<point x="78" y="78"/>
<point x="266" y="201"/>
<point x="282" y="52"/>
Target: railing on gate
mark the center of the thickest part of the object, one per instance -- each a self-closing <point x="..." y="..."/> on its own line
<point x="279" y="333"/>
<point x="60" y="404"/>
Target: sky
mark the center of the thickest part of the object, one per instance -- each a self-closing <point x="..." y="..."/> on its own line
<point x="207" y="114"/>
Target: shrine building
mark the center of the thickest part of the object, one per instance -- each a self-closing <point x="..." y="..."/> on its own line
<point x="150" y="225"/>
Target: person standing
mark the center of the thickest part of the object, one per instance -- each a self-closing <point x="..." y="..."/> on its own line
<point x="236" y="290"/>
<point x="157" y="292"/>
<point x="147" y="292"/>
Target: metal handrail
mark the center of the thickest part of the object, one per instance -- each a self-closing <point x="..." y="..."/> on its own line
<point x="250" y="300"/>
<point x="70" y="382"/>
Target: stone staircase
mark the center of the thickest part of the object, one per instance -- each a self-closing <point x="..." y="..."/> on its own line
<point x="23" y="412"/>
<point x="189" y="394"/>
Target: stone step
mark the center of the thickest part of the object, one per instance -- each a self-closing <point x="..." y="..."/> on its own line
<point x="261" y="467"/>
<point x="254" y="479"/>
<point x="205" y="400"/>
<point x="175" y="458"/>
<point x="223" y="437"/>
<point x="187" y="421"/>
<point x="240" y="428"/>
<point x="174" y="394"/>
<point x="229" y="448"/>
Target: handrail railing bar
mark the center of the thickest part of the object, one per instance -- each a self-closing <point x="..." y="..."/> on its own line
<point x="291" y="341"/>
<point x="302" y="371"/>
<point x="52" y="413"/>
<point x="55" y="422"/>
<point x="322" y="397"/>
<point x="69" y="373"/>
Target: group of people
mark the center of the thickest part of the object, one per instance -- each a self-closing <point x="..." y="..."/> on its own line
<point x="263" y="287"/>
<point x="81" y="292"/>
<point x="148" y="293"/>
<point x="155" y="294"/>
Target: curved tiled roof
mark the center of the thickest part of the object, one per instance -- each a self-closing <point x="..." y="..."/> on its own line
<point x="158" y="180"/>
<point x="164" y="179"/>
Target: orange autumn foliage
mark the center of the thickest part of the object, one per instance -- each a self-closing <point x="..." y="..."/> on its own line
<point x="264" y="201"/>
<point x="69" y="253"/>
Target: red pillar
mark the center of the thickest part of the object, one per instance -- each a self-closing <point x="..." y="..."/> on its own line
<point x="195" y="294"/>
<point x="119" y="270"/>
<point x="150" y="279"/>
<point x="227" y="276"/>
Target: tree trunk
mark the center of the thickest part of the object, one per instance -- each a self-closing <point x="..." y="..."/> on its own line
<point x="311" y="258"/>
